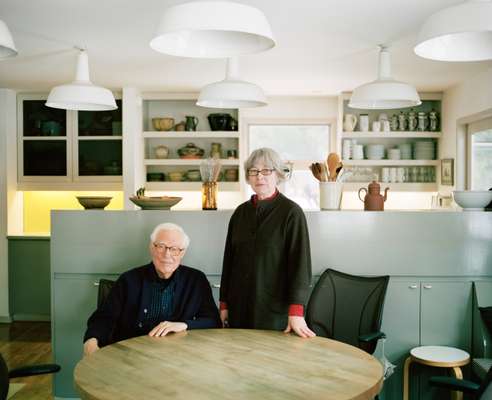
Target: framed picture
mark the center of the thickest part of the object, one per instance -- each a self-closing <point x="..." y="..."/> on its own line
<point x="447" y="172"/>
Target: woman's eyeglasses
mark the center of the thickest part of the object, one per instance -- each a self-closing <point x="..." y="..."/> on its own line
<point x="264" y="171"/>
<point x="174" y="251"/>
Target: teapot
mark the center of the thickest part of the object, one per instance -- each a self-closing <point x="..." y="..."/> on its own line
<point x="374" y="200"/>
<point x="350" y="122"/>
<point x="190" y="151"/>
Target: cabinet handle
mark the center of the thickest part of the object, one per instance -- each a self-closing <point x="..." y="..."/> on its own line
<point x="96" y="283"/>
<point x="427" y="286"/>
<point x="413" y="287"/>
<point x="216" y="286"/>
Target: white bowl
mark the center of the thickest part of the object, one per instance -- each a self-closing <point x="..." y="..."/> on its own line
<point x="471" y="200"/>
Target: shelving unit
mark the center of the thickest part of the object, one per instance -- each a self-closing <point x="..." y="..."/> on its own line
<point x="165" y="106"/>
<point x="390" y="139"/>
<point x="68" y="150"/>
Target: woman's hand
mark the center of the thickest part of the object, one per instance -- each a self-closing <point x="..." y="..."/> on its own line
<point x="163" y="328"/>
<point x="224" y="317"/>
<point x="90" y="346"/>
<point x="299" y="326"/>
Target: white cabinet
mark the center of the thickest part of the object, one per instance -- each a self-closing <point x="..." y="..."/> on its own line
<point x="417" y="171"/>
<point x="68" y="150"/>
<point x="175" y="171"/>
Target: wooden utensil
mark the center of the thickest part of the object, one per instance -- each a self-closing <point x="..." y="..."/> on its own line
<point x="333" y="160"/>
<point x="315" y="171"/>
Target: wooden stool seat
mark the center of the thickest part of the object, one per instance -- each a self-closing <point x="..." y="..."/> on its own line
<point x="440" y="356"/>
<point x="436" y="356"/>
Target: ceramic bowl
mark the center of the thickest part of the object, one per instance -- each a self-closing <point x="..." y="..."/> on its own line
<point x="94" y="202"/>
<point x="471" y="200"/>
<point x="155" y="176"/>
<point x="155" y="203"/>
<point x="175" y="176"/>
<point x="163" y="124"/>
<point x="193" y="175"/>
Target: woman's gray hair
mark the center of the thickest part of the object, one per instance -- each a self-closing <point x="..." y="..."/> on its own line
<point x="168" y="226"/>
<point x="269" y="158"/>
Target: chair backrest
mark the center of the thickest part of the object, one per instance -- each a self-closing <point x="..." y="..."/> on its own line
<point x="343" y="307"/>
<point x="485" y="391"/>
<point x="105" y="286"/>
<point x="4" y="379"/>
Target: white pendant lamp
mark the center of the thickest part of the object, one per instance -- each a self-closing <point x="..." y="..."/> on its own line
<point x="81" y="94"/>
<point x="232" y="92"/>
<point x="7" y="46"/>
<point x="212" y="29"/>
<point x="459" y="33"/>
<point x="384" y="92"/>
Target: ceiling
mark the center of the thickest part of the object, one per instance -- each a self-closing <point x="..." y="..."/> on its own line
<point x="323" y="46"/>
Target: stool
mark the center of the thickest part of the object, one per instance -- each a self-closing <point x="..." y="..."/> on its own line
<point x="436" y="356"/>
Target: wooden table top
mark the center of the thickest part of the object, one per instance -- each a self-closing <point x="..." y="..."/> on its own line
<point x="228" y="364"/>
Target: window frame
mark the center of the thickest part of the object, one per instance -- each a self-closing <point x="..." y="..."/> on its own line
<point x="473" y="128"/>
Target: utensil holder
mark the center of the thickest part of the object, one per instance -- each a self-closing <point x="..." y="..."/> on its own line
<point x="209" y="195"/>
<point x="330" y="195"/>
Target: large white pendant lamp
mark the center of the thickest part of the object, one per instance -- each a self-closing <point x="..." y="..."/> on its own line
<point x="212" y="29"/>
<point x="459" y="33"/>
<point x="232" y="92"/>
<point x="7" y="46"/>
<point x="81" y="94"/>
<point x="384" y="92"/>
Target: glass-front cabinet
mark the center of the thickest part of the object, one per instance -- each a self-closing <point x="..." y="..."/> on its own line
<point x="68" y="149"/>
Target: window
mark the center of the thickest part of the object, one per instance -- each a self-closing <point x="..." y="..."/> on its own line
<point x="300" y="144"/>
<point x="480" y="155"/>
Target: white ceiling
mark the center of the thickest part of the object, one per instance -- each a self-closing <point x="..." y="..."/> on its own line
<point x="323" y="46"/>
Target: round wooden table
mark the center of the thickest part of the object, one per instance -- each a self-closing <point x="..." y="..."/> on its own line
<point x="228" y="364"/>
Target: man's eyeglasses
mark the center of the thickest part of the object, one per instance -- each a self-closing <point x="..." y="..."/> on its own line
<point x="174" y="251"/>
<point x="264" y="171"/>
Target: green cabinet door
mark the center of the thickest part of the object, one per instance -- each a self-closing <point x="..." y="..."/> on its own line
<point x="74" y="299"/>
<point x="401" y="326"/>
<point x="446" y="310"/>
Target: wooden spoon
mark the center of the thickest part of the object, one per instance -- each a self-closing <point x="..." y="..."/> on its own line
<point x="333" y="160"/>
<point x="315" y="171"/>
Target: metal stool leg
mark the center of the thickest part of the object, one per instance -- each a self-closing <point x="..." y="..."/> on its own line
<point x="406" y="377"/>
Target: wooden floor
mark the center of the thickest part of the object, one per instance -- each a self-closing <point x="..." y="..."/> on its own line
<point x="27" y="343"/>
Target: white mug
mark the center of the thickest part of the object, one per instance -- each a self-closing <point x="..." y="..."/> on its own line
<point x="400" y="174"/>
<point x="392" y="175"/>
<point x="376" y="126"/>
<point x="386" y="176"/>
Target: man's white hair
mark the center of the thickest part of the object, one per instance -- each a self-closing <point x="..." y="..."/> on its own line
<point x="168" y="226"/>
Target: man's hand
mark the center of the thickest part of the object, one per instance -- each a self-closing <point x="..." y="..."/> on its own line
<point x="299" y="326"/>
<point x="224" y="317"/>
<point x="166" y="327"/>
<point x="90" y="346"/>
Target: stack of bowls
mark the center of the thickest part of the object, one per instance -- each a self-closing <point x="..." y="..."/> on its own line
<point x="394" y="154"/>
<point x="405" y="151"/>
<point x="424" y="150"/>
<point x="375" y="151"/>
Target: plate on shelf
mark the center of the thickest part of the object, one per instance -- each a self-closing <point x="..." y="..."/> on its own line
<point x="155" y="203"/>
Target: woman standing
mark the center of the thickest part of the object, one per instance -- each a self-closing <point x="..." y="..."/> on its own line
<point x="267" y="262"/>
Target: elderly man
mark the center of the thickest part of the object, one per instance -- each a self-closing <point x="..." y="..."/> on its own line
<point x="155" y="299"/>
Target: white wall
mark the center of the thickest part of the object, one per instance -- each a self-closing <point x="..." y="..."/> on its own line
<point x="7" y="130"/>
<point x="463" y="103"/>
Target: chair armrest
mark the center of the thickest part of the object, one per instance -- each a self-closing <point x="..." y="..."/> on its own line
<point x="34" y="370"/>
<point x="454" y="384"/>
<point x="370" y="337"/>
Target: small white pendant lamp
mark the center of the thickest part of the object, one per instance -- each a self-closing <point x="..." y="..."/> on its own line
<point x="459" y="33"/>
<point x="7" y="46"/>
<point x="81" y="94"/>
<point x="212" y="29"/>
<point x="232" y="92"/>
<point x="384" y="92"/>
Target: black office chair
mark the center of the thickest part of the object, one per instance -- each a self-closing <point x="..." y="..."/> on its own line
<point x="105" y="286"/>
<point x="6" y="375"/>
<point x="477" y="391"/>
<point x="348" y="308"/>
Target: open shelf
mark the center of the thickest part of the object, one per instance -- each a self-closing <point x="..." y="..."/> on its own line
<point x="390" y="163"/>
<point x="189" y="186"/>
<point x="392" y="135"/>
<point x="190" y="135"/>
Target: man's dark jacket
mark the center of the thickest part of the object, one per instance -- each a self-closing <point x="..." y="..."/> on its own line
<point x="122" y="315"/>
